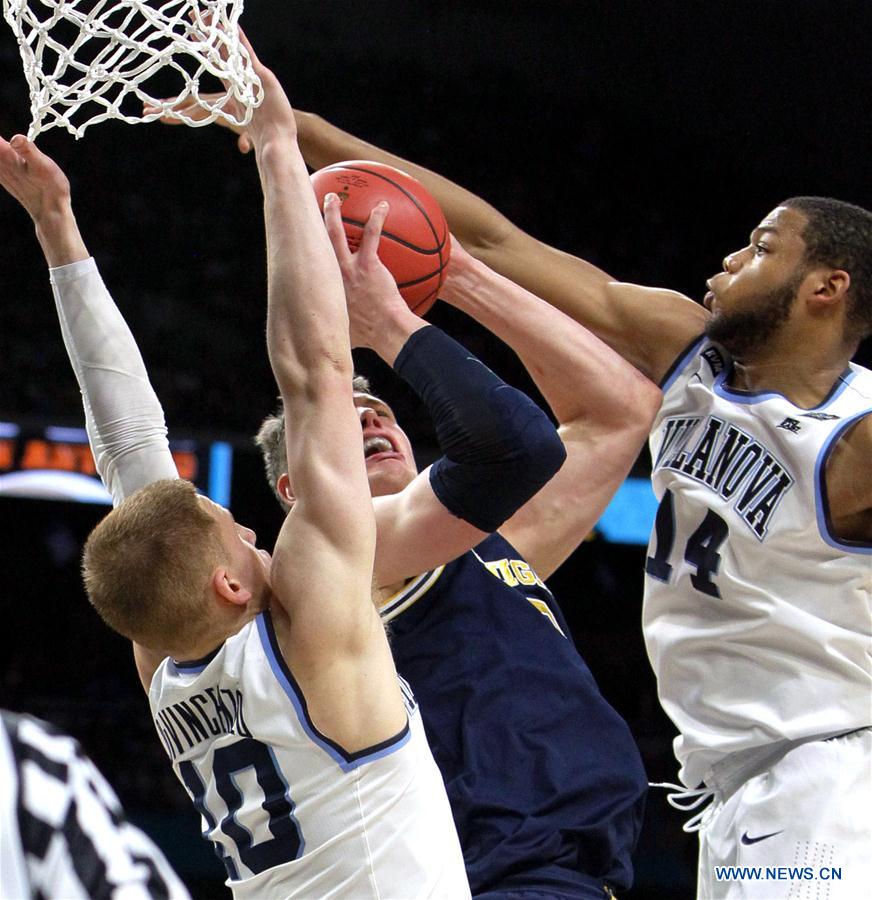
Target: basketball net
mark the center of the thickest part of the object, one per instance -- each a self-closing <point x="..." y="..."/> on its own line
<point x="86" y="61"/>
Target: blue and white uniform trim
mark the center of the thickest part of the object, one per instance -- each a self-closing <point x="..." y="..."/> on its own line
<point x="822" y="505"/>
<point x="192" y="666"/>
<point x="681" y="361"/>
<point x="722" y="389"/>
<point x="346" y="760"/>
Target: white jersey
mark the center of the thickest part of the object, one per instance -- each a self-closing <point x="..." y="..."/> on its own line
<point x="292" y="814"/>
<point x="757" y="618"/>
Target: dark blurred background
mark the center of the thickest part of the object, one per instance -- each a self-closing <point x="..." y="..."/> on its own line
<point x="648" y="137"/>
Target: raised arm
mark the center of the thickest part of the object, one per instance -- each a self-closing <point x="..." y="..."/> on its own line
<point x="123" y="416"/>
<point x="322" y="564"/>
<point x="647" y="326"/>
<point x="603" y="405"/>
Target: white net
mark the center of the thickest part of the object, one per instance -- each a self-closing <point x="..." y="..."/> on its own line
<point x="86" y="61"/>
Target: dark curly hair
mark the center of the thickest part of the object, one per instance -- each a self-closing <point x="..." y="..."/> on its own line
<point x="839" y="235"/>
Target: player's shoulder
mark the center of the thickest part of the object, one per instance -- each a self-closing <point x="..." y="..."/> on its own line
<point x="859" y="381"/>
<point x="661" y="323"/>
<point x="851" y="398"/>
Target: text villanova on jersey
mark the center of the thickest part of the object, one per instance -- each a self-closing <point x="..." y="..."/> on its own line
<point x="730" y="462"/>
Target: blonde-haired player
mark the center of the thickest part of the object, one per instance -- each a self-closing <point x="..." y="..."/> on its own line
<point x="270" y="679"/>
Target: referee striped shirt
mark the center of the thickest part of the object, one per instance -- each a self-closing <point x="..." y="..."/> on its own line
<point x="62" y="829"/>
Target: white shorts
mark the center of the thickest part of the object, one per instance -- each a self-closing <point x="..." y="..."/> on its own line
<point x="802" y="830"/>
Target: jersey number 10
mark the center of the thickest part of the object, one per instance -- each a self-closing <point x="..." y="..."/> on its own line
<point x="286" y="842"/>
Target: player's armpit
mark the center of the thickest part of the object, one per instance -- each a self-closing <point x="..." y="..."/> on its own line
<point x="334" y="644"/>
<point x="849" y="483"/>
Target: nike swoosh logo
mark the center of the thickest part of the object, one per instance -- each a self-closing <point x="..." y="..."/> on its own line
<point x="753" y="840"/>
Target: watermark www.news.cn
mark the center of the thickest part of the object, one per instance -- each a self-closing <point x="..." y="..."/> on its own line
<point x="778" y="873"/>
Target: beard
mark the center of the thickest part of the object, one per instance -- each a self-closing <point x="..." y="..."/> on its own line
<point x="744" y="333"/>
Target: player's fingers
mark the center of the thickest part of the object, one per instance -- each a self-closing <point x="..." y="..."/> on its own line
<point x="202" y="20"/>
<point x="373" y="229"/>
<point x="187" y="106"/>
<point x="190" y="110"/>
<point x="243" y="39"/>
<point x="149" y="109"/>
<point x="206" y="18"/>
<point x="25" y="149"/>
<point x="335" y="229"/>
<point x="7" y="156"/>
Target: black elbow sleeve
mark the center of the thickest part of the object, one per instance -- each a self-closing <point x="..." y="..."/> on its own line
<point x="521" y="458"/>
<point x="499" y="447"/>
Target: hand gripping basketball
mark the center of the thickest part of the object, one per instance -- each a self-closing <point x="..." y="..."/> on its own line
<point x="414" y="243"/>
<point x="371" y="293"/>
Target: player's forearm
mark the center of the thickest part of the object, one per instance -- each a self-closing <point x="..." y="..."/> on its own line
<point x="59" y="236"/>
<point x="476" y="223"/>
<point x="123" y="416"/>
<point x="582" y="379"/>
<point x="307" y="323"/>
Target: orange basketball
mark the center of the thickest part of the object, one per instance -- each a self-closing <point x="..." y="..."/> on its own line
<point x="414" y="243"/>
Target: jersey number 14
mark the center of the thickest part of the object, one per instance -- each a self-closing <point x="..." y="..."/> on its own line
<point x="701" y="550"/>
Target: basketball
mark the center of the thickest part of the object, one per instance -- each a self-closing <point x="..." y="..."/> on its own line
<point x="414" y="244"/>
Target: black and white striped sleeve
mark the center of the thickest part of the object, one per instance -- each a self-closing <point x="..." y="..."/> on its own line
<point x="64" y="833"/>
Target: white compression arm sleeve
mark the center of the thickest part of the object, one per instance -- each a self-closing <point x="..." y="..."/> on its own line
<point x="123" y="417"/>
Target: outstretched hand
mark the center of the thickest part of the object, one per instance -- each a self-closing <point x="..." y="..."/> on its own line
<point x="194" y="111"/>
<point x="32" y="178"/>
<point x="275" y="110"/>
<point x="378" y="315"/>
<point x="275" y="107"/>
<point x="38" y="184"/>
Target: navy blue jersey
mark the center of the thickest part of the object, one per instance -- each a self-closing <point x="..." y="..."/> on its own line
<point x="544" y="779"/>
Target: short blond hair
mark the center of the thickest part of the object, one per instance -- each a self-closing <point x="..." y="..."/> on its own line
<point x="147" y="565"/>
<point x="270" y="440"/>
